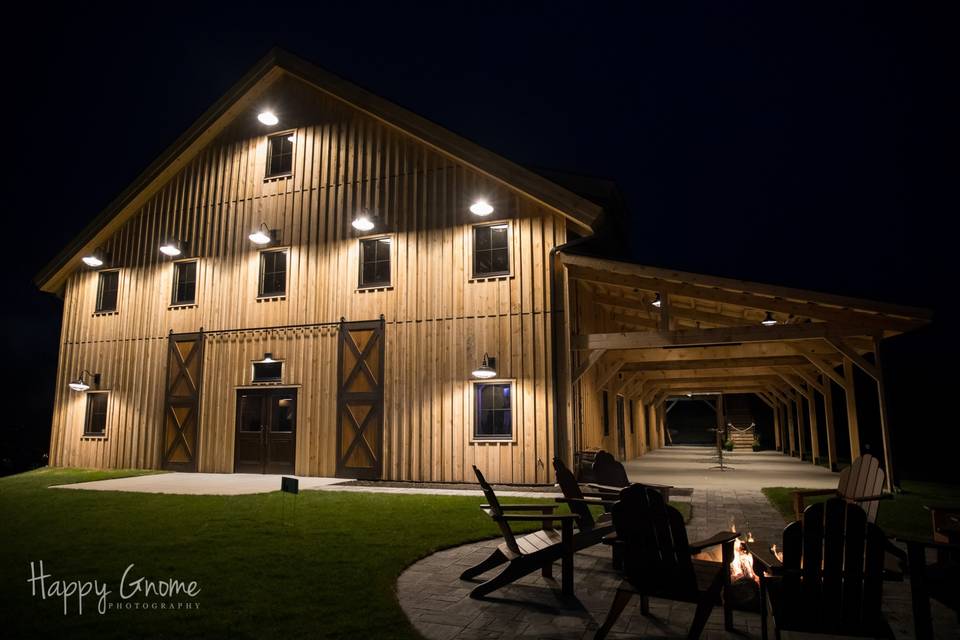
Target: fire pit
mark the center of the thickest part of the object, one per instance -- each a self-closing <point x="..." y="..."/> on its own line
<point x="744" y="590"/>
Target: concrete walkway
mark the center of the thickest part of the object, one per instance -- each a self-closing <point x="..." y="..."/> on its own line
<point x="690" y="467"/>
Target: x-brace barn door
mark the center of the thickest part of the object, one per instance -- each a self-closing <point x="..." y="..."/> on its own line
<point x="181" y="408"/>
<point x="360" y="400"/>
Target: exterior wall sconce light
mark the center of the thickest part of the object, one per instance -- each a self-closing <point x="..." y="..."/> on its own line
<point x="365" y="221"/>
<point x="172" y="248"/>
<point x="262" y="235"/>
<point x="268" y="118"/>
<point x="481" y="208"/>
<point x="268" y="358"/>
<point x="768" y="320"/>
<point x="80" y="384"/>
<point x="657" y="302"/>
<point x="94" y="259"/>
<point x="487" y="368"/>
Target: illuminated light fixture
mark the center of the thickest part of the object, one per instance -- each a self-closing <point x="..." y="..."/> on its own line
<point x="262" y="235"/>
<point x="364" y="221"/>
<point x="268" y="118"/>
<point x="80" y="384"/>
<point x="481" y="208"/>
<point x="268" y="358"/>
<point x="292" y="138"/>
<point x="498" y="226"/>
<point x="487" y="368"/>
<point x="95" y="259"/>
<point x="657" y="302"/>
<point x="171" y="248"/>
<point x="769" y="320"/>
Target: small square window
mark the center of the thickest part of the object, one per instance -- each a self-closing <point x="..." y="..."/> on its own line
<point x="185" y="282"/>
<point x="273" y="273"/>
<point x="107" y="288"/>
<point x="280" y="155"/>
<point x="491" y="250"/>
<point x="375" y="262"/>
<point x="268" y="371"/>
<point x="95" y="422"/>
<point x="493" y="404"/>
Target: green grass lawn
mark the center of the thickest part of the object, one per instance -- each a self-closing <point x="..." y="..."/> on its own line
<point x="903" y="515"/>
<point x="329" y="572"/>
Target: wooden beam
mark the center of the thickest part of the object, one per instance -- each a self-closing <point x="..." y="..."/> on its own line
<point x="828" y="424"/>
<point x="814" y="347"/>
<point x="825" y="368"/>
<point x="717" y="363"/>
<point x="723" y="335"/>
<point x="810" y="379"/>
<point x="849" y="352"/>
<point x="665" y="312"/>
<point x="884" y="418"/>
<point x="852" y="424"/>
<point x="591" y="359"/>
<point x="793" y="383"/>
<point x="763" y="398"/>
<point x="611" y="371"/>
<point x="814" y="428"/>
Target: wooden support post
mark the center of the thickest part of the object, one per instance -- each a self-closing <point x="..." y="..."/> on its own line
<point x="776" y="426"/>
<point x="664" y="312"/>
<point x="791" y="429"/>
<point x="814" y="436"/>
<point x="852" y="424"/>
<point x="889" y="480"/>
<point x="799" y="399"/>
<point x="828" y="423"/>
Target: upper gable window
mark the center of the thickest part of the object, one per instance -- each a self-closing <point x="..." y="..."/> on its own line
<point x="185" y="282"/>
<point x="273" y="273"/>
<point x="375" y="262"/>
<point x="107" y="287"/>
<point x="491" y="250"/>
<point x="280" y="155"/>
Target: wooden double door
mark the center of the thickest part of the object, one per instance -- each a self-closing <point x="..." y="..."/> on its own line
<point x="266" y="440"/>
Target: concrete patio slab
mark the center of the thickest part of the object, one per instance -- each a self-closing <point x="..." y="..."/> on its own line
<point x="693" y="467"/>
<point x="215" y="484"/>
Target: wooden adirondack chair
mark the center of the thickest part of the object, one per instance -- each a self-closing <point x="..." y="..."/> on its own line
<point x="658" y="560"/>
<point x="939" y="580"/>
<point x="860" y="483"/>
<point x="610" y="475"/>
<point x="525" y="554"/>
<point x="831" y="580"/>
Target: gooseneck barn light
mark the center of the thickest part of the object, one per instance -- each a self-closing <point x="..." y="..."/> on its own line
<point x="268" y="118"/>
<point x="94" y="259"/>
<point x="768" y="320"/>
<point x="268" y="358"/>
<point x="171" y="248"/>
<point x="262" y="235"/>
<point x="487" y="368"/>
<point x="657" y="302"/>
<point x="481" y="208"/>
<point x="80" y="384"/>
<point x="365" y="221"/>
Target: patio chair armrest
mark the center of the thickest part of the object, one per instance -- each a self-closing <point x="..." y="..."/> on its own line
<point x="604" y="487"/>
<point x="557" y="517"/>
<point x="928" y="544"/>
<point x="721" y="537"/>
<point x="611" y="539"/>
<point x="601" y="494"/>
<point x="588" y="501"/>
<point x="806" y="493"/>
<point x="522" y="507"/>
<point x="882" y="496"/>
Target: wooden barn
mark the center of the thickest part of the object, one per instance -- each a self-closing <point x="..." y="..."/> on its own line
<point x="313" y="280"/>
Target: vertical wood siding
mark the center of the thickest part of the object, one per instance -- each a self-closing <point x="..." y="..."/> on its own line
<point x="439" y="321"/>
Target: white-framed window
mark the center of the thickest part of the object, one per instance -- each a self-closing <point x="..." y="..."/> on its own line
<point x="490" y="249"/>
<point x="280" y="154"/>
<point x="376" y="262"/>
<point x="108" y="290"/>
<point x="267" y="371"/>
<point x="184" y="282"/>
<point x="273" y="273"/>
<point x="493" y="410"/>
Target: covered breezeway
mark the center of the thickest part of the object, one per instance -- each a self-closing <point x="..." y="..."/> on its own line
<point x="635" y="337"/>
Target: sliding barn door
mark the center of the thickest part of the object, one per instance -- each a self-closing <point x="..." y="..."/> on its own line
<point x="360" y="400"/>
<point x="181" y="410"/>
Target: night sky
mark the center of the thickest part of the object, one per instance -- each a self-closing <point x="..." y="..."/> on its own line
<point x="812" y="145"/>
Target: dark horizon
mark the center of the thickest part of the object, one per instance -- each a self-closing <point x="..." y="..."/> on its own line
<point x="809" y="149"/>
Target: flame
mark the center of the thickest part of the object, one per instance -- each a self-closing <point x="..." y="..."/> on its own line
<point x="777" y="554"/>
<point x="741" y="567"/>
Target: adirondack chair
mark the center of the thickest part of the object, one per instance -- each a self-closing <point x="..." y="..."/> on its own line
<point x="525" y="554"/>
<point x="658" y="560"/>
<point x="610" y="475"/>
<point x="939" y="580"/>
<point x="831" y="578"/>
<point x="860" y="483"/>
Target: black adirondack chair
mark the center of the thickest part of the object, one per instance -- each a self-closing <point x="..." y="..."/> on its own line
<point x="831" y="581"/>
<point x="658" y="560"/>
<point x="525" y="554"/>
<point x="610" y="475"/>
<point x="939" y="580"/>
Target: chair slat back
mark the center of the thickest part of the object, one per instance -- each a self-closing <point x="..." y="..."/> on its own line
<point x="833" y="570"/>
<point x="571" y="491"/>
<point x="496" y="512"/>
<point x="608" y="471"/>
<point x="863" y="478"/>
<point x="656" y="551"/>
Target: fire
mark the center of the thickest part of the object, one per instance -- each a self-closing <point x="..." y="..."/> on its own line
<point x="741" y="567"/>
